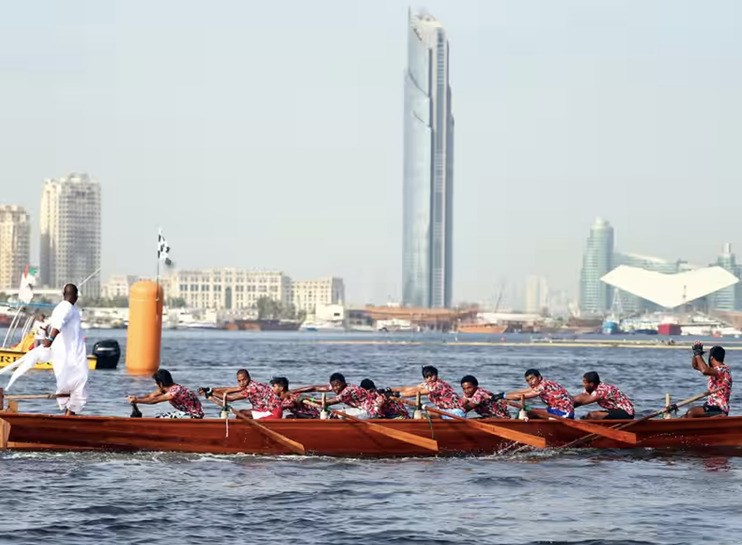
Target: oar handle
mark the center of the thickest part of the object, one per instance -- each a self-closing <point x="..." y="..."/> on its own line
<point x="36" y="396"/>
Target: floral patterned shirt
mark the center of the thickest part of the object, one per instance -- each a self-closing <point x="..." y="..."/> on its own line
<point x="261" y="397"/>
<point x="723" y="381"/>
<point x="357" y="397"/>
<point x="442" y="395"/>
<point x="482" y="402"/>
<point x="392" y="407"/>
<point x="555" y="396"/>
<point x="611" y="398"/>
<point x="293" y="403"/>
<point x="185" y="400"/>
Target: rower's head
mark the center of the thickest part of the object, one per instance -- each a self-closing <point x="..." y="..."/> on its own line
<point x="368" y="384"/>
<point x="716" y="354"/>
<point x="243" y="378"/>
<point x="279" y="385"/>
<point x="430" y="374"/>
<point x="163" y="378"/>
<point x="337" y="382"/>
<point x="533" y="377"/>
<point x="590" y="381"/>
<point x="70" y="293"/>
<point x="469" y="385"/>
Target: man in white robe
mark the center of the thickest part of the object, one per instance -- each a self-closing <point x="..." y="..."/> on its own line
<point x="69" y="357"/>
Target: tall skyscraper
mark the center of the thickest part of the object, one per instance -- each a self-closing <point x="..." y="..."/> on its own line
<point x="427" y="247"/>
<point x="537" y="294"/>
<point x="70" y="232"/>
<point x="726" y="298"/>
<point x="595" y="296"/>
<point x="15" y="244"/>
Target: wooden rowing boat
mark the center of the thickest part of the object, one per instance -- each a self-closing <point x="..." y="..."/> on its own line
<point x="341" y="437"/>
<point x="106" y="356"/>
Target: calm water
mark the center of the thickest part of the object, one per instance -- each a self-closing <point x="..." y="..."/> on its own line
<point x="587" y="497"/>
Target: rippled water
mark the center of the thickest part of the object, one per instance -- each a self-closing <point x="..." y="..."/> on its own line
<point x="585" y="497"/>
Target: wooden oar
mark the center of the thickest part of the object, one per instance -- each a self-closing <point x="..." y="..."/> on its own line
<point x="666" y="409"/>
<point x="595" y="429"/>
<point x="411" y="438"/>
<point x="293" y="446"/>
<point x="505" y="433"/>
<point x="36" y="396"/>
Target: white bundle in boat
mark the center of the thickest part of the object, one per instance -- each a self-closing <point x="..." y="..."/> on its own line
<point x="26" y="362"/>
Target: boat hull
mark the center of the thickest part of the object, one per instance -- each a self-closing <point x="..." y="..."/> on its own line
<point x="8" y="356"/>
<point x="339" y="437"/>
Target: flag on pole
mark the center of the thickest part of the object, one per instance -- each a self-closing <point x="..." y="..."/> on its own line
<point x="163" y="250"/>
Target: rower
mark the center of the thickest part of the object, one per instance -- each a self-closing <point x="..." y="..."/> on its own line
<point x="616" y="404"/>
<point x="184" y="401"/>
<point x="360" y="401"/>
<point x="388" y="404"/>
<point x="483" y="402"/>
<point x="292" y="403"/>
<point x="556" y="396"/>
<point x="265" y="404"/>
<point x="719" y="378"/>
<point x="440" y="393"/>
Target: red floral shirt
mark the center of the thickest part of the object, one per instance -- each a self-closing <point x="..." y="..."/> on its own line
<point x="555" y="396"/>
<point x="482" y="402"/>
<point x="261" y="396"/>
<point x="357" y="397"/>
<point x="442" y="395"/>
<point x="611" y="398"/>
<point x="185" y="400"/>
<point x="293" y="403"/>
<point x="723" y="380"/>
<point x="392" y="408"/>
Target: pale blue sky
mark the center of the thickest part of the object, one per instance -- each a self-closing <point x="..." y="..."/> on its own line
<point x="269" y="134"/>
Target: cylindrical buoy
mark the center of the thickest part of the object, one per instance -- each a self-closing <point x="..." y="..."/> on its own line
<point x="145" y="328"/>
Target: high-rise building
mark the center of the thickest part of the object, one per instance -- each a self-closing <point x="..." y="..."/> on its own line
<point x="726" y="298"/>
<point x="537" y="294"/>
<point x="70" y="232"/>
<point x="597" y="260"/>
<point x="427" y="247"/>
<point x="15" y="244"/>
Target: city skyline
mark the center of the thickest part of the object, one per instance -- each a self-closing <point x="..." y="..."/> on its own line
<point x="427" y="223"/>
<point x="301" y="169"/>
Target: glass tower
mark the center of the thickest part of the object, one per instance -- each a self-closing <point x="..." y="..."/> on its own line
<point x="427" y="247"/>
<point x="597" y="261"/>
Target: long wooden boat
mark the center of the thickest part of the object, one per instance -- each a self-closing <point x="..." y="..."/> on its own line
<point x="342" y="437"/>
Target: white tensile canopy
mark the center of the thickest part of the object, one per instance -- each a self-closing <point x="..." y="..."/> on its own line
<point x="669" y="290"/>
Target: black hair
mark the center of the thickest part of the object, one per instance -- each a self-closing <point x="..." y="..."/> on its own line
<point x="470" y="379"/>
<point x="283" y="382"/>
<point x="368" y="384"/>
<point x="337" y="377"/>
<point x="532" y="373"/>
<point x="429" y="371"/>
<point x="592" y="377"/>
<point x="70" y="288"/>
<point x="243" y="372"/>
<point x="163" y="377"/>
<point x="718" y="353"/>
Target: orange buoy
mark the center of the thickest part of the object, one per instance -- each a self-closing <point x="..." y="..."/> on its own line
<point x="144" y="336"/>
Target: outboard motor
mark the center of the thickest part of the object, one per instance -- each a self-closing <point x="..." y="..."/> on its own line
<point x="108" y="353"/>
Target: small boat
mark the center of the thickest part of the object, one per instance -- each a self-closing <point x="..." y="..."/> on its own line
<point x="494" y="329"/>
<point x="105" y="355"/>
<point x="346" y="438"/>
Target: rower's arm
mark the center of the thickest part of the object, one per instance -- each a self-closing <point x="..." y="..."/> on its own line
<point x="232" y="393"/>
<point x="150" y="399"/>
<point x="528" y="393"/>
<point x="332" y="401"/>
<point x="410" y="391"/>
<point x="583" y="399"/>
<point x="314" y="388"/>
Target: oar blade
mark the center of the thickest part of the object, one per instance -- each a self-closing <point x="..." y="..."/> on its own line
<point x="411" y="438"/>
<point x="604" y="431"/>
<point x="290" y="444"/>
<point x="507" y="433"/>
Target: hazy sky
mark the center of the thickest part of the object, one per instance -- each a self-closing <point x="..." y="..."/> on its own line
<point x="269" y="134"/>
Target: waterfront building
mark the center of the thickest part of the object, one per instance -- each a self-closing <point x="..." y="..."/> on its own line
<point x="70" y="243"/>
<point x="597" y="260"/>
<point x="15" y="244"/>
<point x="537" y="295"/>
<point x="427" y="246"/>
<point x="228" y="288"/>
<point x="117" y="286"/>
<point x="628" y="303"/>
<point x="727" y="298"/>
<point x="307" y="295"/>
